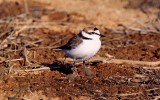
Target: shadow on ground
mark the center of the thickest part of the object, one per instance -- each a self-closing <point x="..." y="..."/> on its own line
<point x="61" y="67"/>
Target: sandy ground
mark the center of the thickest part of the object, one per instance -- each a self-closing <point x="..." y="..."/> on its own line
<point x="31" y="70"/>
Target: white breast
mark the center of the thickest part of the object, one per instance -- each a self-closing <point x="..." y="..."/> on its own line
<point x="85" y="50"/>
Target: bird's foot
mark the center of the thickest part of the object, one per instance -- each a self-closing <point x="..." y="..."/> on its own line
<point x="88" y="71"/>
<point x="72" y="77"/>
<point x="75" y="71"/>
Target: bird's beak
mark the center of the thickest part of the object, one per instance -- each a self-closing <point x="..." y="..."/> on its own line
<point x="101" y="35"/>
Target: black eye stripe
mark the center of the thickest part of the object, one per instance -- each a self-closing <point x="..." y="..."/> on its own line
<point x="95" y="34"/>
<point x="91" y="32"/>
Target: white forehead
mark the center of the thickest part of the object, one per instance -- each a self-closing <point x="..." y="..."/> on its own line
<point x="97" y="31"/>
<point x="91" y="30"/>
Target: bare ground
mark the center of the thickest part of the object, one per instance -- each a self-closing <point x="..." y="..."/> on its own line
<point x="30" y="69"/>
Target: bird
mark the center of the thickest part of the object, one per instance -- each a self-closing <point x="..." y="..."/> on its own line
<point x="83" y="46"/>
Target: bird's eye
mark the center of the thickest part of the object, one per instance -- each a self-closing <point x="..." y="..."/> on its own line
<point x="91" y="33"/>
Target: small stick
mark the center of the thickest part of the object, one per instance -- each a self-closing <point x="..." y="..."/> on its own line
<point x="25" y="56"/>
<point x="4" y="60"/>
<point x="121" y="61"/>
<point x="129" y="94"/>
<point x="26" y="6"/>
<point x="37" y="69"/>
<point x="151" y="68"/>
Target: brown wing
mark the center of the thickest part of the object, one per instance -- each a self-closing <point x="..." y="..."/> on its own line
<point x="72" y="43"/>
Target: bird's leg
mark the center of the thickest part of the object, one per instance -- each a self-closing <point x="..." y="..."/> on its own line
<point x="74" y="68"/>
<point x="64" y="59"/>
<point x="87" y="70"/>
<point x="71" y="77"/>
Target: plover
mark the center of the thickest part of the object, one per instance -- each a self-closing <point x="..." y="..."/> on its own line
<point x="83" y="46"/>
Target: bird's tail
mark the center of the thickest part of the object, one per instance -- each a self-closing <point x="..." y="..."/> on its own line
<point x="57" y="49"/>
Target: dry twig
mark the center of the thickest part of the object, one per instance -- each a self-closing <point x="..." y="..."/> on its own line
<point x="120" y="61"/>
